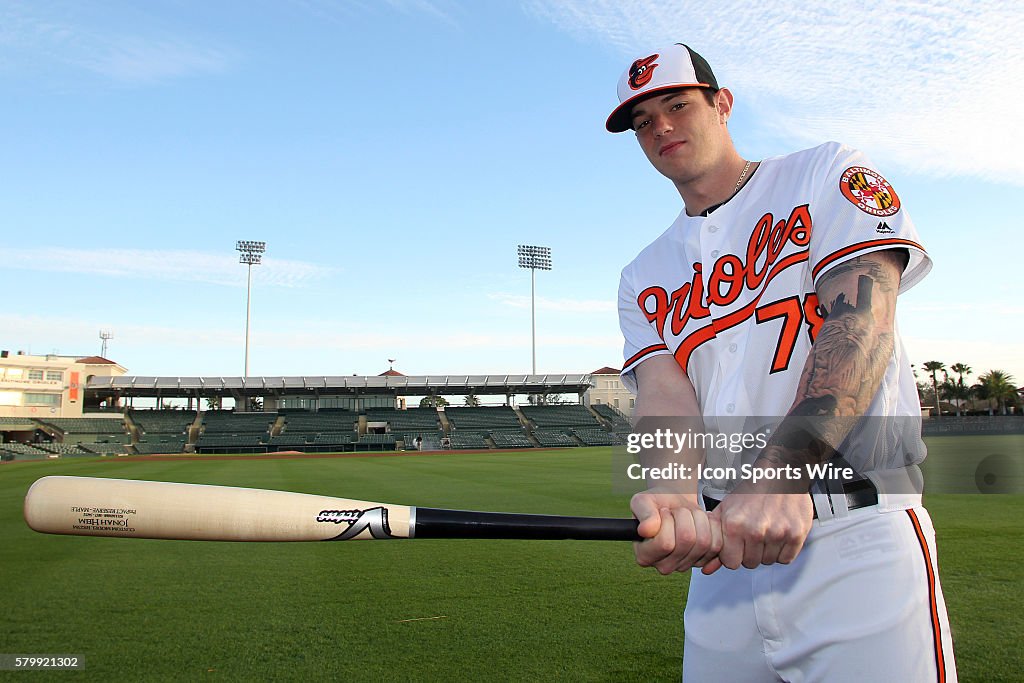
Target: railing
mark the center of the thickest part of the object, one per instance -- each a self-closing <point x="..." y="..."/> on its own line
<point x="972" y="424"/>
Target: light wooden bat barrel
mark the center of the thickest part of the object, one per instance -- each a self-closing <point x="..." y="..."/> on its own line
<point x="87" y="506"/>
<point x="90" y="506"/>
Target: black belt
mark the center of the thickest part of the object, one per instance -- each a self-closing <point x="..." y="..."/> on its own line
<point x="859" y="494"/>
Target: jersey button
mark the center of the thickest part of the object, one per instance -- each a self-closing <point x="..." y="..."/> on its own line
<point x="732" y="348"/>
<point x="712" y="228"/>
<point x="715" y="253"/>
<point x="731" y="408"/>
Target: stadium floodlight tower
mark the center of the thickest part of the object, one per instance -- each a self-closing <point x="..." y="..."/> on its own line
<point x="534" y="258"/>
<point x="251" y="254"/>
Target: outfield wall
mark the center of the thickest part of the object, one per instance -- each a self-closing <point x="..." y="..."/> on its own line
<point x="973" y="424"/>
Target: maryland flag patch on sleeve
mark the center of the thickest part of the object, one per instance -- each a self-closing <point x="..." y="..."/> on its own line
<point x="869" y="191"/>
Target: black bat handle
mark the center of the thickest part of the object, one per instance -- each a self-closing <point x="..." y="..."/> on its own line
<point x="437" y="523"/>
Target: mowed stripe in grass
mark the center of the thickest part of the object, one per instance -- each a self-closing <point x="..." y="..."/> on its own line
<point x="414" y="610"/>
<point x="419" y="610"/>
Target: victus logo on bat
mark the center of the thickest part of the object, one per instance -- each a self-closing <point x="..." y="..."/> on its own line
<point x="374" y="519"/>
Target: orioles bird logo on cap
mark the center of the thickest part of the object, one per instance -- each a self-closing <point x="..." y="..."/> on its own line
<point x="641" y="72"/>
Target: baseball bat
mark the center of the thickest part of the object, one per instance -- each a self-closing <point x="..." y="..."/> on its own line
<point x="91" y="506"/>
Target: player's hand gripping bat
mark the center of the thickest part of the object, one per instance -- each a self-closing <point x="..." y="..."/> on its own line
<point x="87" y="506"/>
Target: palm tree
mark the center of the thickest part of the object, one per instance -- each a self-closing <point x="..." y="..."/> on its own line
<point x="934" y="366"/>
<point x="958" y="390"/>
<point x="433" y="402"/>
<point x="998" y="386"/>
<point x="961" y="369"/>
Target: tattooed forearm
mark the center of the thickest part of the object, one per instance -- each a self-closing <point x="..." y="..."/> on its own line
<point x="878" y="269"/>
<point x="855" y="342"/>
<point x="847" y="360"/>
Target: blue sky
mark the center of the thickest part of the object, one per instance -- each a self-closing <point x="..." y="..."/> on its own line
<point x="393" y="153"/>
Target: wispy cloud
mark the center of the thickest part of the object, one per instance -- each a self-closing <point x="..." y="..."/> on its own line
<point x="558" y="305"/>
<point x="30" y="35"/>
<point x="173" y="265"/>
<point x="139" y="61"/>
<point x="341" y="10"/>
<point x="309" y="337"/>
<point x="930" y="85"/>
<point x="65" y="334"/>
<point x="429" y="7"/>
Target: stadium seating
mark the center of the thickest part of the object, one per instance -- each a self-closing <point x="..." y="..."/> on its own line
<point x="162" y="421"/>
<point x="225" y="431"/>
<point x="63" y="449"/>
<point x="554" y="417"/>
<point x="290" y="442"/>
<point x="104" y="448"/>
<point x="17" y="424"/>
<point x="483" y="419"/>
<point x="85" y="425"/>
<point x="459" y="440"/>
<point x="328" y="430"/>
<point x="510" y="439"/>
<point x="322" y="421"/>
<point x="228" y="422"/>
<point x="619" y="422"/>
<point x="333" y="439"/>
<point x="165" y="444"/>
<point x="217" y="440"/>
<point x="597" y="437"/>
<point x="24" y="451"/>
<point x="90" y="434"/>
<point x="553" y="439"/>
<point x="325" y="430"/>
<point x="411" y="420"/>
<point x="124" y="439"/>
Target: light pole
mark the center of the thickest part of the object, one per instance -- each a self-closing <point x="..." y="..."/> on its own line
<point x="250" y="253"/>
<point x="534" y="258"/>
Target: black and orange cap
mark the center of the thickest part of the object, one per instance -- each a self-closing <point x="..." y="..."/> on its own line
<point x="672" y="68"/>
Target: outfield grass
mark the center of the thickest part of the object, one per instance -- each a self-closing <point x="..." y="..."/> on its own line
<point x="417" y="610"/>
<point x="969" y="464"/>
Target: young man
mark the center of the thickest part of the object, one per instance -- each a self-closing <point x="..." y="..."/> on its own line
<point x="773" y="294"/>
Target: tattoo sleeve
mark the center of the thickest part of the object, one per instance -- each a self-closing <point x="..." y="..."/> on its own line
<point x="847" y="360"/>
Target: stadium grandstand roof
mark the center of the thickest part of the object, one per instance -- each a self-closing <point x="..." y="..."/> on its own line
<point x="341" y="385"/>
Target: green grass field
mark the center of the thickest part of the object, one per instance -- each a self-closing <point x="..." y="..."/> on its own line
<point x="420" y="610"/>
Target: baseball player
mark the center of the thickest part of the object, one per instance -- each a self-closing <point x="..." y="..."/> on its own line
<point x="773" y="294"/>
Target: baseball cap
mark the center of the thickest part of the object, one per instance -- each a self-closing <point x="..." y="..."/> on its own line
<point x="671" y="68"/>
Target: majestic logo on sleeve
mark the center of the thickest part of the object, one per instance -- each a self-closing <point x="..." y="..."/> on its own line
<point x="641" y="72"/>
<point x="374" y="520"/>
<point x="869" y="191"/>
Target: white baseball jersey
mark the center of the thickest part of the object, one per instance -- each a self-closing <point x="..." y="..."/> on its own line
<point x="732" y="295"/>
